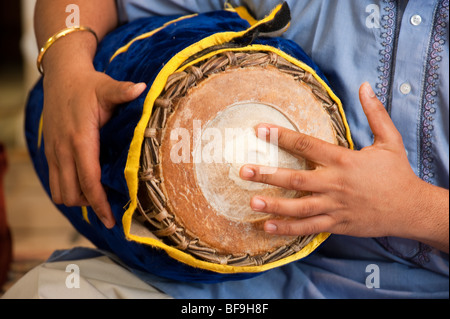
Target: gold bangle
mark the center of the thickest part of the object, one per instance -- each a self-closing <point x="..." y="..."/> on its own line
<point x="55" y="38"/>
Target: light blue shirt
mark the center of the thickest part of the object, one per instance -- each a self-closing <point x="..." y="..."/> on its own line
<point x="401" y="48"/>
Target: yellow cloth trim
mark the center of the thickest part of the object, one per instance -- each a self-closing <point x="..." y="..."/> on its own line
<point x="40" y="130"/>
<point x="148" y="35"/>
<point x="85" y="213"/>
<point x="132" y="166"/>
<point x="226" y="269"/>
<point x="244" y="14"/>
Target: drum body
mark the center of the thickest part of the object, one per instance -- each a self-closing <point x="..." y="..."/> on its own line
<point x="171" y="159"/>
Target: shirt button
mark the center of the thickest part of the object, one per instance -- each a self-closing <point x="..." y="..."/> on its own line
<point x="405" y="88"/>
<point x="416" y="20"/>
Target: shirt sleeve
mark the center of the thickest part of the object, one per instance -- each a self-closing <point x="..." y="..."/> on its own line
<point x="130" y="10"/>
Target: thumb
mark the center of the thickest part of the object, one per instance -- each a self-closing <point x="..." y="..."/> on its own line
<point x="380" y="122"/>
<point x="114" y="92"/>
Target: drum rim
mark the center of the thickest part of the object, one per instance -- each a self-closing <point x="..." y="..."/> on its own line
<point x="132" y="165"/>
<point x="163" y="215"/>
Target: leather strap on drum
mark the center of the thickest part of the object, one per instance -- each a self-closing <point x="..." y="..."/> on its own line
<point x="273" y="27"/>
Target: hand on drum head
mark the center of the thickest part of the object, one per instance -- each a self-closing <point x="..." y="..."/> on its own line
<point x="368" y="193"/>
<point x="75" y="108"/>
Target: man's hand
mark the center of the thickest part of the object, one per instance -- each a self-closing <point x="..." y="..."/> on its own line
<point x="76" y="106"/>
<point x="78" y="101"/>
<point x="368" y="193"/>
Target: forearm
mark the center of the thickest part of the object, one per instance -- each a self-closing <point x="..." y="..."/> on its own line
<point x="431" y="225"/>
<point x="78" y="48"/>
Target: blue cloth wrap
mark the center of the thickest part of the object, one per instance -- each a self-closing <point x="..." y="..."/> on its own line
<point x="141" y="63"/>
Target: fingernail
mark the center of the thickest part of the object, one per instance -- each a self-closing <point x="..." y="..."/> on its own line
<point x="247" y="172"/>
<point x="369" y="91"/>
<point x="137" y="87"/>
<point x="108" y="223"/>
<point x="270" y="228"/>
<point x="258" y="204"/>
<point x="263" y="131"/>
<point x="140" y="86"/>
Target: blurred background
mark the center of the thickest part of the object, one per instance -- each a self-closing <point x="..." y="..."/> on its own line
<point x="37" y="228"/>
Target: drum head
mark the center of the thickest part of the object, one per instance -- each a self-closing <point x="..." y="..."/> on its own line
<point x="203" y="131"/>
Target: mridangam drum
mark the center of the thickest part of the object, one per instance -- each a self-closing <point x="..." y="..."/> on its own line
<point x="171" y="159"/>
<point x="197" y="201"/>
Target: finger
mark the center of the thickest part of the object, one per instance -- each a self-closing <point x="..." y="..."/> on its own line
<point x="70" y="188"/>
<point x="113" y="92"/>
<point x="63" y="180"/>
<point x="301" y="227"/>
<point x="55" y="190"/>
<point x="299" y="180"/>
<point x="299" y="144"/>
<point x="380" y="122"/>
<point x="89" y="173"/>
<point x="53" y="175"/>
<point x="304" y="207"/>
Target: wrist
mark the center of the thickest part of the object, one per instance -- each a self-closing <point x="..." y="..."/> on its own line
<point x="72" y="53"/>
<point x="429" y="222"/>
